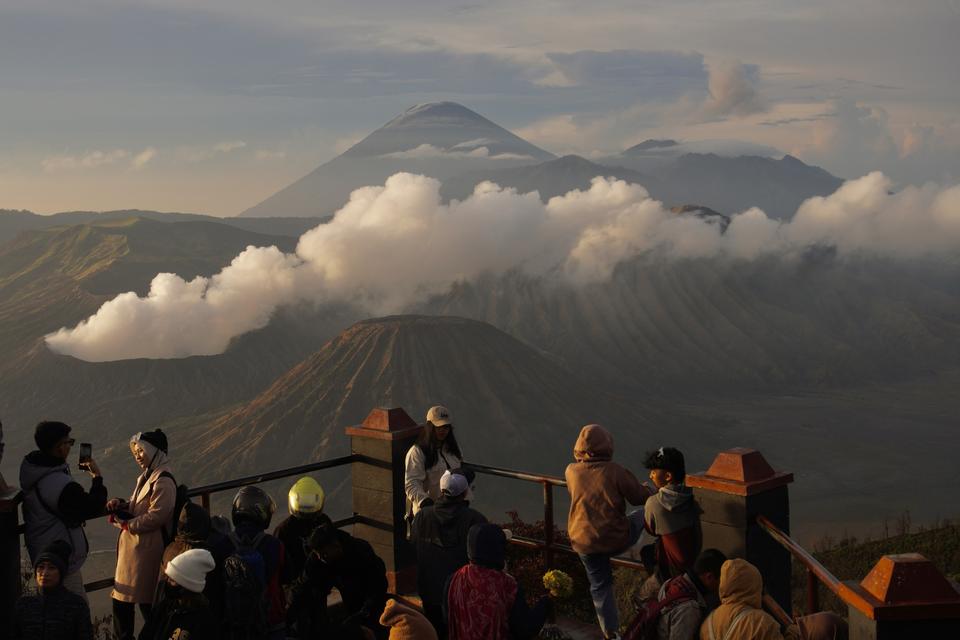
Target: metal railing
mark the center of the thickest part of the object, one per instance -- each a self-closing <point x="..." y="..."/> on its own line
<point x="817" y="574"/>
<point x="548" y="545"/>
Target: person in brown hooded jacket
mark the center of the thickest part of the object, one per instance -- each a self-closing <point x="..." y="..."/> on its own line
<point x="740" y="616"/>
<point x="406" y="622"/>
<point x="598" y="525"/>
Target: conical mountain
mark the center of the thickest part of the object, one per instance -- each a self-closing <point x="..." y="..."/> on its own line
<point x="439" y="139"/>
<point x="511" y="404"/>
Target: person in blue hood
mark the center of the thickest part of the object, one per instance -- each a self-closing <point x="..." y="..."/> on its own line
<point x="55" y="506"/>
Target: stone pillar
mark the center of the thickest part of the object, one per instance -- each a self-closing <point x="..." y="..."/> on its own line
<point x="737" y="487"/>
<point x="378" y="496"/>
<point x="904" y="597"/>
<point x="9" y="553"/>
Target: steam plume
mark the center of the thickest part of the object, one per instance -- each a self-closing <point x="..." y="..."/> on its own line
<point x="397" y="243"/>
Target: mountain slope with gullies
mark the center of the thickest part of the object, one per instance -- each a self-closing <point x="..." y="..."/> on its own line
<point x="57" y="277"/>
<point x="438" y="139"/>
<point x="512" y="404"/>
<point x="671" y="326"/>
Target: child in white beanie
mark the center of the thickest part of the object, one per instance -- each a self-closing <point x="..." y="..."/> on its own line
<point x="184" y="612"/>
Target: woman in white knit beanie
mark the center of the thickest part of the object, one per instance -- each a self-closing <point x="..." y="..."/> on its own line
<point x="184" y="612"/>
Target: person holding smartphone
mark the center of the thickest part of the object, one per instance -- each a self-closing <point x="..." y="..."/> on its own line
<point x="55" y="506"/>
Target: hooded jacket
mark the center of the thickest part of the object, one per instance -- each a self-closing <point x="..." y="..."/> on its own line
<point x="55" y="506"/>
<point x="439" y="533"/>
<point x="195" y="531"/>
<point x="406" y="623"/>
<point x="674" y="517"/>
<point x="739" y="616"/>
<point x="599" y="490"/>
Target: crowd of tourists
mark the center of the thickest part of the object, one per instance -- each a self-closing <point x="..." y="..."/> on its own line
<point x="196" y="576"/>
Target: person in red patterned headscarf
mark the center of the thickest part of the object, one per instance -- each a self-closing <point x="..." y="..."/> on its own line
<point x="485" y="603"/>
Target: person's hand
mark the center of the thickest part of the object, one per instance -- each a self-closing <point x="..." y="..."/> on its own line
<point x="426" y="502"/>
<point x="93" y="468"/>
<point x="113" y="504"/>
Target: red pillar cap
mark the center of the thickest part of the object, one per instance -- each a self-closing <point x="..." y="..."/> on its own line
<point x="739" y="471"/>
<point x="908" y="578"/>
<point x="385" y="424"/>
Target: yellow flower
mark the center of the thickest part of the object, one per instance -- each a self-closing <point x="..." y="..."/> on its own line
<point x="558" y="583"/>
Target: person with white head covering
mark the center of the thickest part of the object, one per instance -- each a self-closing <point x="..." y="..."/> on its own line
<point x="144" y="521"/>
<point x="184" y="612"/>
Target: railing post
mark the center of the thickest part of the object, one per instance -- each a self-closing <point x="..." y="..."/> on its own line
<point x="205" y="501"/>
<point x="548" y="525"/>
<point x="9" y="553"/>
<point x="904" y="596"/>
<point x="737" y="487"/>
<point x="813" y="593"/>
<point x="378" y="496"/>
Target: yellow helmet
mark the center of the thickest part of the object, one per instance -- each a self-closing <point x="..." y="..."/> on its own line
<point x="306" y="497"/>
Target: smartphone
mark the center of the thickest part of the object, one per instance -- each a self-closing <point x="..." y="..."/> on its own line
<point x="86" y="454"/>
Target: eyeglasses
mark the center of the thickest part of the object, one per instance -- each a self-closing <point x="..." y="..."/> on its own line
<point x="68" y="441"/>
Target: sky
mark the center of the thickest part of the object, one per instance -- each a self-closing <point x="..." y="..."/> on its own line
<point x="210" y="106"/>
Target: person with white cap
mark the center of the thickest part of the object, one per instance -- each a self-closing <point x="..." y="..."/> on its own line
<point x="142" y="521"/>
<point x="435" y="451"/>
<point x="184" y="613"/>
<point x="439" y="534"/>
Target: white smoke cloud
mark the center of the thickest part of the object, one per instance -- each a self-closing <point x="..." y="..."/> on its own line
<point x="733" y="91"/>
<point x="394" y="244"/>
<point x="458" y="151"/>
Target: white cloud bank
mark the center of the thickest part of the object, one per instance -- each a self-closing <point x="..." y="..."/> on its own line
<point x="397" y="243"/>
<point x="457" y="151"/>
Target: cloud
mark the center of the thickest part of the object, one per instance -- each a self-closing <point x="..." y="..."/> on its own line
<point x="143" y="158"/>
<point x="579" y="237"/>
<point x="431" y="151"/>
<point x="228" y="146"/>
<point x="90" y="160"/>
<point x="733" y="91"/>
<point x="97" y="159"/>
<point x="265" y="155"/>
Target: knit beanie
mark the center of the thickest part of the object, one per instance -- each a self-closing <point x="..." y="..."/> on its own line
<point x="48" y="434"/>
<point x="190" y="569"/>
<point x="58" y="554"/>
<point x="157" y="438"/>
<point x="487" y="545"/>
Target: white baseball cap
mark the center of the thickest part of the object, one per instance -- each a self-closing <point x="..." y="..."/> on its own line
<point x="453" y="484"/>
<point x="439" y="416"/>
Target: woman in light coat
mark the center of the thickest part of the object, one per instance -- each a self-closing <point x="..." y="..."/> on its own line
<point x="143" y="521"/>
<point x="435" y="451"/>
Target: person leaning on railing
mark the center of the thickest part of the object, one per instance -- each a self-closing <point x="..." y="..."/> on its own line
<point x="55" y="507"/>
<point x="435" y="451"/>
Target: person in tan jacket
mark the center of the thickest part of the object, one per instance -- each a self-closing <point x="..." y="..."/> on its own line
<point x="598" y="525"/>
<point x="406" y="622"/>
<point x="740" y="616"/>
<point x="141" y="521"/>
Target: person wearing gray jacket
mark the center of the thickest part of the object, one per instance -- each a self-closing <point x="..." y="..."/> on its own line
<point x="55" y="506"/>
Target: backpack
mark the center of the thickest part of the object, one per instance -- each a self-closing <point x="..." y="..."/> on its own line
<point x="181" y="499"/>
<point x="245" y="590"/>
<point x="644" y="625"/>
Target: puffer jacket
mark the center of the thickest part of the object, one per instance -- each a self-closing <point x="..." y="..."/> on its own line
<point x="740" y="616"/>
<point x="599" y="490"/>
<point x="406" y="623"/>
<point x="57" y="614"/>
<point x="55" y="506"/>
<point x="674" y="517"/>
<point x="182" y="616"/>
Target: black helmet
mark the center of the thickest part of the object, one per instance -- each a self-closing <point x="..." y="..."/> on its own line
<point x="254" y="505"/>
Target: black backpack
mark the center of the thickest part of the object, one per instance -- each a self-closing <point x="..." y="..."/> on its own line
<point x="181" y="499"/>
<point x="245" y="590"/>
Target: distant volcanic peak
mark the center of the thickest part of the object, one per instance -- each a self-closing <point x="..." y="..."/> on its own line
<point x="444" y="128"/>
<point x="650" y="144"/>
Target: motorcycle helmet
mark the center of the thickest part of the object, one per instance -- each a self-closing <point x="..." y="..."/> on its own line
<point x="254" y="505"/>
<point x="306" y="498"/>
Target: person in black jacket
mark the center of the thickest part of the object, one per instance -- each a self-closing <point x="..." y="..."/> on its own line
<point x="305" y="504"/>
<point x="55" y="507"/>
<point x="54" y="613"/>
<point x="439" y="534"/>
<point x="339" y="560"/>
<point x="184" y="613"/>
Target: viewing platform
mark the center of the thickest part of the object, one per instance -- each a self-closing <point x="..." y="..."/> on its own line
<point x="745" y="512"/>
